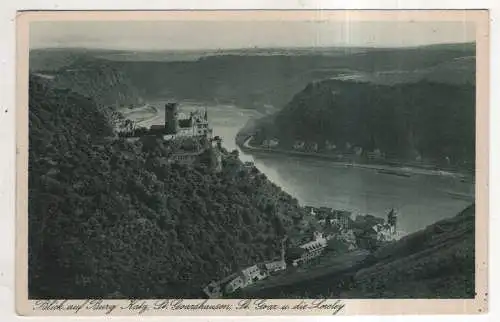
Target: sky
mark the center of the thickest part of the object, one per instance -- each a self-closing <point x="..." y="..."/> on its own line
<point x="199" y="35"/>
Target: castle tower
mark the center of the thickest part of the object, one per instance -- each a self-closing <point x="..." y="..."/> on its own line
<point x="171" y="125"/>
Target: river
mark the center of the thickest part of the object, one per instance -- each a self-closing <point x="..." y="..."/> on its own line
<point x="420" y="199"/>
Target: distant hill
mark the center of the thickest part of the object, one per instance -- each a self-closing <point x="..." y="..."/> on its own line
<point x="252" y="78"/>
<point x="458" y="71"/>
<point x="90" y="77"/>
<point x="52" y="59"/>
<point x="427" y="120"/>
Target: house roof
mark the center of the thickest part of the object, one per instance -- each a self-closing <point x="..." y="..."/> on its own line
<point x="157" y="126"/>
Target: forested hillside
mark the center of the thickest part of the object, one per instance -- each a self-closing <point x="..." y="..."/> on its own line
<point x="96" y="78"/>
<point x="425" y="121"/>
<point x="111" y="218"/>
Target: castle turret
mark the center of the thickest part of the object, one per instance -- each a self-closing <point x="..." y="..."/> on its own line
<point x="171" y="125"/>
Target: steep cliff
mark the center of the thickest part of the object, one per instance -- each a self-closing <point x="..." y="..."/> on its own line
<point x="426" y="121"/>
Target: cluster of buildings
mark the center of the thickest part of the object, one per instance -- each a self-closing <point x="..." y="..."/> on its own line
<point x="340" y="218"/>
<point x="344" y="151"/>
<point x="246" y="276"/>
<point x="386" y="232"/>
<point x="308" y="251"/>
<point x="348" y="150"/>
<point x="300" y="145"/>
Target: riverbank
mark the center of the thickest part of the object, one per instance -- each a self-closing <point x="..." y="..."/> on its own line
<point x="148" y="113"/>
<point x="385" y="167"/>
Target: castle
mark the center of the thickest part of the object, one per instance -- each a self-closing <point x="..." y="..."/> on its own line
<point x="191" y="135"/>
<point x="196" y="125"/>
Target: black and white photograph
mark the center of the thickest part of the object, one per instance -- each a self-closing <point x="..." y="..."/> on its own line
<point x="252" y="159"/>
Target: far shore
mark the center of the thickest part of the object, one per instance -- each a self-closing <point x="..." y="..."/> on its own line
<point x="145" y="107"/>
<point x="397" y="169"/>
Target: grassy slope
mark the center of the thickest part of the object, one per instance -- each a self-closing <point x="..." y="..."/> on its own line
<point x="437" y="262"/>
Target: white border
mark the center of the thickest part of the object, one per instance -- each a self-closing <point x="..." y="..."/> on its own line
<point x="7" y="161"/>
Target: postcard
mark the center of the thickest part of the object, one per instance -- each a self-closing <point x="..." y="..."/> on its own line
<point x="239" y="162"/>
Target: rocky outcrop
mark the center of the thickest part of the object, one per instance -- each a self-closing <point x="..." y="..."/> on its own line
<point x="424" y="122"/>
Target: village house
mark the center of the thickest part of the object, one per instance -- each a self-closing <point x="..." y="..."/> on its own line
<point x="253" y="274"/>
<point x="272" y="143"/>
<point x="311" y="249"/>
<point x="275" y="266"/>
<point x="299" y="145"/>
<point x="329" y="146"/>
<point x="374" y="155"/>
<point x="384" y="232"/>
<point x="213" y="290"/>
<point x="342" y="218"/>
<point x="244" y="278"/>
<point x="358" y="150"/>
<point x="235" y="284"/>
<point x="313" y="147"/>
